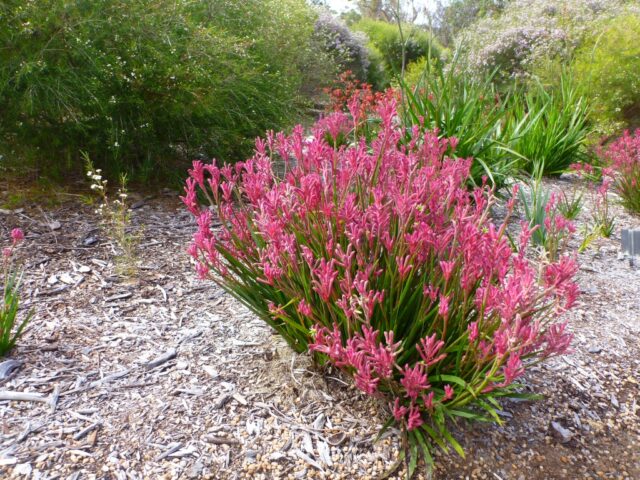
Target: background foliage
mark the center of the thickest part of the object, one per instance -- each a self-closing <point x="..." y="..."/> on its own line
<point x="141" y="84"/>
<point x="609" y="65"/>
<point x="528" y="31"/>
<point x="347" y="48"/>
<point x="386" y="46"/>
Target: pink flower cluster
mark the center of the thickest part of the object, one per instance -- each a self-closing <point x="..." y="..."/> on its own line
<point x="371" y="360"/>
<point x="557" y="229"/>
<point x="376" y="255"/>
<point x="623" y="156"/>
<point x="373" y="363"/>
<point x="17" y="235"/>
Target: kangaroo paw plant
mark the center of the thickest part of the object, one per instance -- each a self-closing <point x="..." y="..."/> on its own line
<point x="623" y="156"/>
<point x="376" y="256"/>
<point x="10" y="280"/>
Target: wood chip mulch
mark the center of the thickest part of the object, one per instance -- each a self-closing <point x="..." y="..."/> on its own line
<point x="161" y="376"/>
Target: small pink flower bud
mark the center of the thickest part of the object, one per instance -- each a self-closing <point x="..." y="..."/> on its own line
<point x="443" y="307"/>
<point x="17" y="235"/>
<point x="415" y="418"/>
<point x="447" y="269"/>
<point x="473" y="331"/>
<point x="448" y="393"/>
<point x="304" y="308"/>
<point x="399" y="411"/>
<point x="202" y="270"/>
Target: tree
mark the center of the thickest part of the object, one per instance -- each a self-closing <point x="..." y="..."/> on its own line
<point x="390" y="10"/>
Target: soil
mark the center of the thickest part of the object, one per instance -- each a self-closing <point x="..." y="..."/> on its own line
<point x="161" y="376"/>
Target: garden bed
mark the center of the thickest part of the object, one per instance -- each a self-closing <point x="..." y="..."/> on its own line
<point x="235" y="402"/>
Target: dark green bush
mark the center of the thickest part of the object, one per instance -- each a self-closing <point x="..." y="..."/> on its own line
<point x="386" y="45"/>
<point x="140" y="84"/>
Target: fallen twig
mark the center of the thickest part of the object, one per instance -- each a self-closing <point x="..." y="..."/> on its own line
<point x="216" y="440"/>
<point x="174" y="447"/>
<point x="51" y="400"/>
<point x="83" y="433"/>
<point x="162" y="359"/>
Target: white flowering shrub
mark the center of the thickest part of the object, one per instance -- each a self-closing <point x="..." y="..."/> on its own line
<point x="528" y="31"/>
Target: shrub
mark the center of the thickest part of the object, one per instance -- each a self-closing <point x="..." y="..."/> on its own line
<point x="454" y="16"/>
<point x="623" y="156"/>
<point x="139" y="84"/>
<point x="386" y="43"/>
<point x="346" y="89"/>
<point x="609" y="64"/>
<point x="10" y="329"/>
<point x="348" y="49"/>
<point x="376" y="257"/>
<point x="415" y="72"/>
<point x="528" y="31"/>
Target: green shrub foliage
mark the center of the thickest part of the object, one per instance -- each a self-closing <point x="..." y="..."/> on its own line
<point x="609" y="64"/>
<point x="548" y="127"/>
<point x="386" y="46"/>
<point x="137" y="83"/>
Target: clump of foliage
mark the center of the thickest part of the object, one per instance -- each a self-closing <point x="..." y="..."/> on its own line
<point x="467" y="108"/>
<point x="597" y="181"/>
<point x="570" y="204"/>
<point x="10" y="328"/>
<point x="623" y="156"/>
<point x="550" y="127"/>
<point x="139" y="84"/>
<point x="609" y="64"/>
<point x="387" y="44"/>
<point x="376" y="257"/>
<point x="602" y="219"/>
<point x="550" y="229"/>
<point x="522" y="128"/>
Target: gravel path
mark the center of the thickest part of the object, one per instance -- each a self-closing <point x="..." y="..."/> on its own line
<point x="163" y="376"/>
